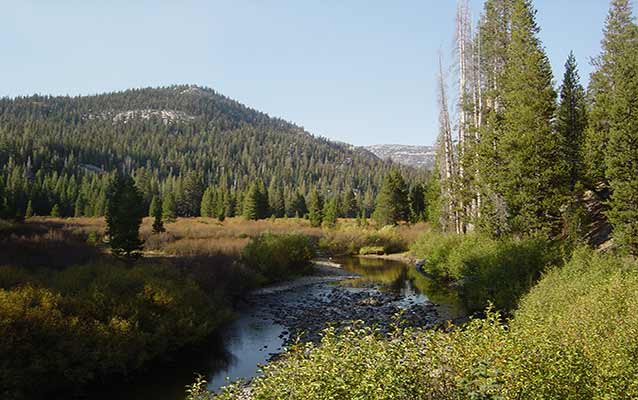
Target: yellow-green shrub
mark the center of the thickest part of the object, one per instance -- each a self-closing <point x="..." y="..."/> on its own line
<point x="279" y="256"/>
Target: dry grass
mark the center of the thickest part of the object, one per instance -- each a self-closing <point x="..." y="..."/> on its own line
<point x="194" y="237"/>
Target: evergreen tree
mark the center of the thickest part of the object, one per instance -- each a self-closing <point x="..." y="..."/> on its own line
<point x="417" y="203"/>
<point x="124" y="212"/>
<point x="298" y="207"/>
<point x="349" y="204"/>
<point x="330" y="211"/>
<point x="571" y="120"/>
<point x="532" y="175"/>
<point x="392" y="201"/>
<point x="601" y="87"/>
<point x="622" y="149"/>
<point x="169" y="208"/>
<point x="156" y="213"/>
<point x="55" y="211"/>
<point x="276" y="200"/>
<point x="192" y="191"/>
<point x="206" y="206"/>
<point x="255" y="203"/>
<point x="315" y="208"/>
<point x="29" y="212"/>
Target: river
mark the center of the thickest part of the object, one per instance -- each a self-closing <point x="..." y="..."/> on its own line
<point x="363" y="289"/>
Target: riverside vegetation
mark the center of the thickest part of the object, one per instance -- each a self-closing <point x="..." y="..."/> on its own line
<point x="535" y="225"/>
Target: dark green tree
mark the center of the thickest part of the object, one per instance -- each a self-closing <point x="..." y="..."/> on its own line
<point x="315" y="208"/>
<point x="29" y="212"/>
<point x="330" y="213"/>
<point x="622" y="149"/>
<point x="124" y="213"/>
<point x="156" y="213"/>
<point x="601" y="88"/>
<point x="256" y="203"/>
<point x="169" y="208"/>
<point x="392" y="201"/>
<point x="417" y="203"/>
<point x="532" y="176"/>
<point x="571" y="120"/>
<point x="191" y="200"/>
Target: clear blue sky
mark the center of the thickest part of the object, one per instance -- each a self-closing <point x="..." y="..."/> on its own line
<point x="352" y="70"/>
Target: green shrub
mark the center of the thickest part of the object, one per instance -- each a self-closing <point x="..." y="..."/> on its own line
<point x="575" y="336"/>
<point x="351" y="240"/>
<point x="278" y="257"/>
<point x="376" y="250"/>
<point x="487" y="270"/>
<point x="94" y="320"/>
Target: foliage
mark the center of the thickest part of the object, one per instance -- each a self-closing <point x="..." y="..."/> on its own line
<point x="351" y="240"/>
<point x="256" y="202"/>
<point x="315" y="209"/>
<point x="622" y="148"/>
<point x="487" y="270"/>
<point x="278" y="257"/>
<point x="156" y="213"/>
<point x="124" y="213"/>
<point x="173" y="140"/>
<point x="574" y="337"/>
<point x="392" y="201"/>
<point x="66" y="328"/>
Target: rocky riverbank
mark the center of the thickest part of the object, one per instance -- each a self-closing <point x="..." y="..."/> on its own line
<point x="307" y="306"/>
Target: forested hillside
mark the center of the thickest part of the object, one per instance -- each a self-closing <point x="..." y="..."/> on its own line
<point x="56" y="153"/>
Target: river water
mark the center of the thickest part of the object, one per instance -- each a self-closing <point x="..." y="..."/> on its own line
<point x="264" y="325"/>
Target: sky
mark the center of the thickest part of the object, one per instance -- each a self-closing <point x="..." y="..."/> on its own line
<point x="357" y="71"/>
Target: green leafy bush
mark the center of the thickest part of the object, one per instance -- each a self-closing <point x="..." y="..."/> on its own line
<point x="279" y="256"/>
<point x="352" y="240"/>
<point x="487" y="270"/>
<point x="66" y="328"/>
<point x="575" y="336"/>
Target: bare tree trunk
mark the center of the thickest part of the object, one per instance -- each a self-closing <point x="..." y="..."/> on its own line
<point x="445" y="146"/>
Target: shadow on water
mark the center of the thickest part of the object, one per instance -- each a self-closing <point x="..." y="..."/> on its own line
<point x="251" y="339"/>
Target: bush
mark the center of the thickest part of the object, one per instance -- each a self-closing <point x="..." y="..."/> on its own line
<point x="352" y="240"/>
<point x="278" y="257"/>
<point x="93" y="320"/>
<point x="487" y="270"/>
<point x="575" y="336"/>
<point x="376" y="250"/>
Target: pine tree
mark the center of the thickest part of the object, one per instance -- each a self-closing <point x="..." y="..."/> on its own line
<point x="349" y="204"/>
<point x="330" y="211"/>
<point x="532" y="176"/>
<point x="29" y="212"/>
<point x="192" y="191"/>
<point x="315" y="209"/>
<point x="571" y="120"/>
<point x="600" y="91"/>
<point x="622" y="149"/>
<point x="124" y="212"/>
<point x="255" y="203"/>
<point x="156" y="213"/>
<point x="392" y="201"/>
<point x="417" y="203"/>
<point x="169" y="208"/>
<point x="206" y="206"/>
<point x="55" y="211"/>
<point x="298" y="207"/>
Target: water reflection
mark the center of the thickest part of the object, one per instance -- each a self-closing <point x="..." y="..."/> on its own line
<point x="404" y="279"/>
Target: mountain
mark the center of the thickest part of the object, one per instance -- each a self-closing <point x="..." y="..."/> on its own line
<point x="411" y="155"/>
<point x="58" y="150"/>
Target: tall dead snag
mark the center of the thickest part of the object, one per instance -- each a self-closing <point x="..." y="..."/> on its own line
<point x="445" y="155"/>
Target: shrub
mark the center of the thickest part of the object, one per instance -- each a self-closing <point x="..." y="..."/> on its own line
<point x="277" y="257"/>
<point x="575" y="336"/>
<point x="487" y="270"/>
<point x="371" y="250"/>
<point x="94" y="320"/>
